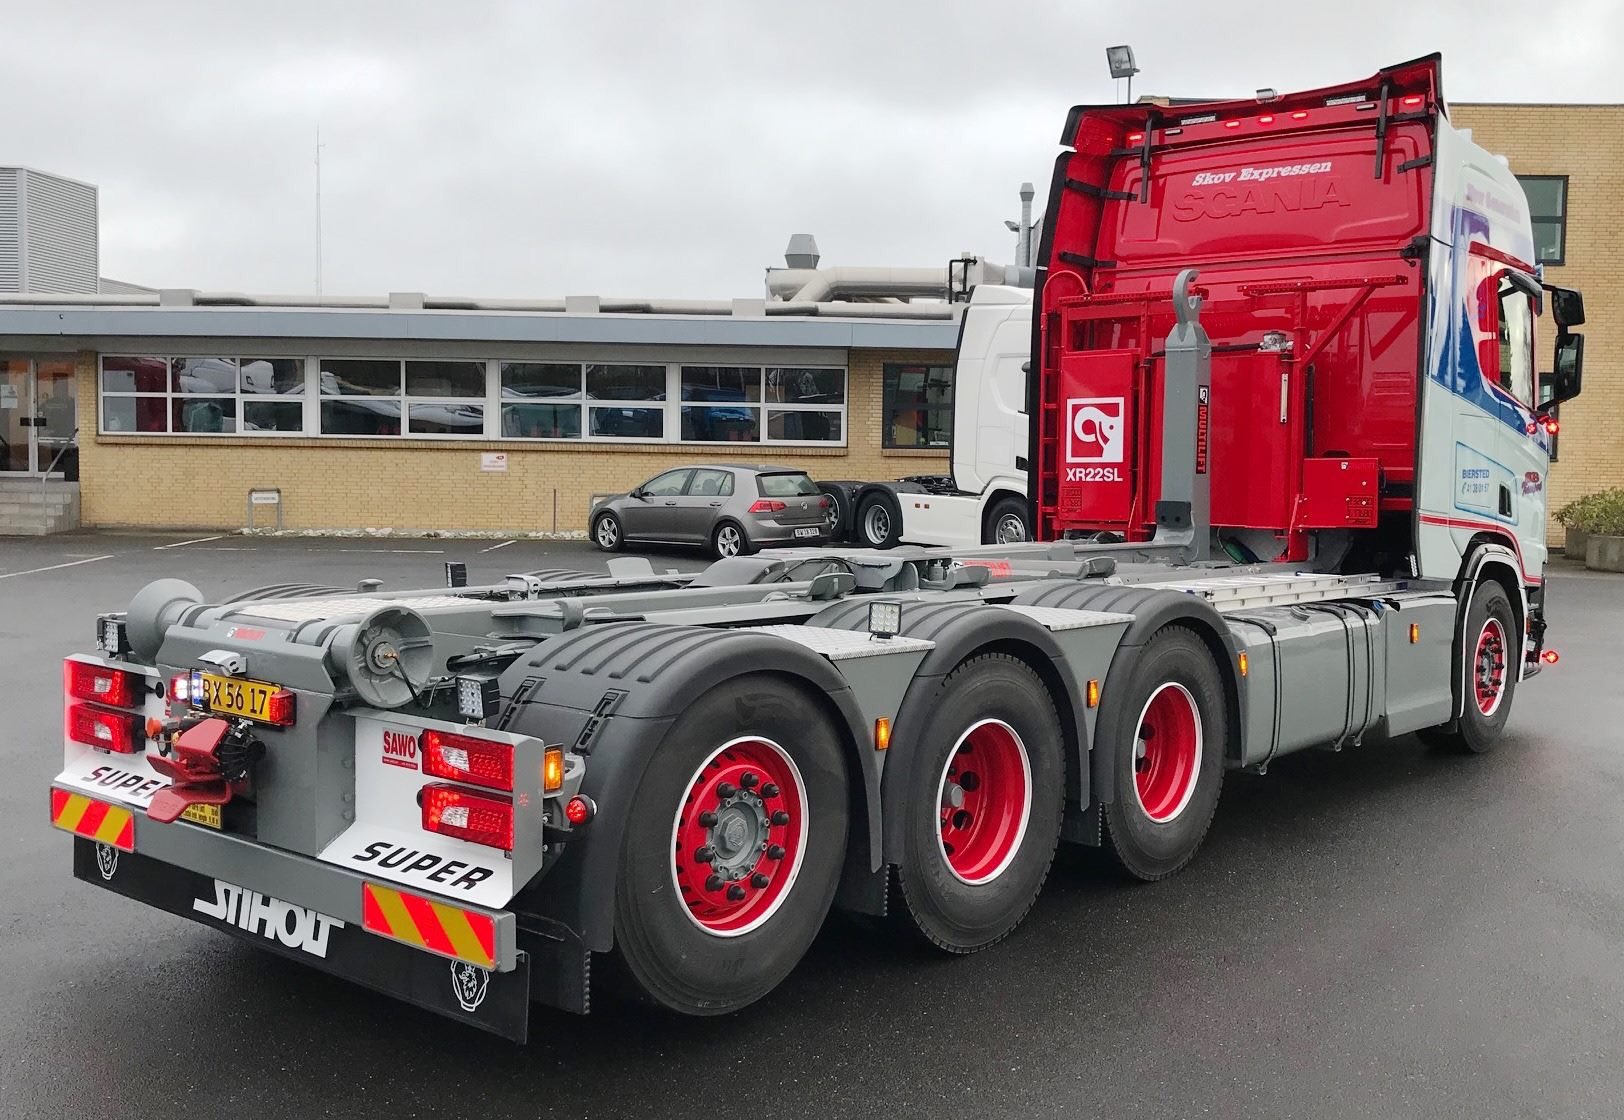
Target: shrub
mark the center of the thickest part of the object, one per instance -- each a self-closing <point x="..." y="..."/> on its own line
<point x="1601" y="513"/>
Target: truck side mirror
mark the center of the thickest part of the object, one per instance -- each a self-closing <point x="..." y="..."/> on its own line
<point x="1567" y="307"/>
<point x="1564" y="384"/>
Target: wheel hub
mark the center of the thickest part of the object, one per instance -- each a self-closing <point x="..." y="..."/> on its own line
<point x="739" y="836"/>
<point x="985" y="801"/>
<point x="1167" y="752"/>
<point x="1490" y="667"/>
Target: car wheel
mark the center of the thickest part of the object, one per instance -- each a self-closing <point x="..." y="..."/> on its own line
<point x="1007" y="523"/>
<point x="606" y="532"/>
<point x="879" y="521"/>
<point x="730" y="540"/>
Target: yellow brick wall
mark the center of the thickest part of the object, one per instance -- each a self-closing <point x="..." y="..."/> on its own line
<point x="1585" y="143"/>
<point x="191" y="482"/>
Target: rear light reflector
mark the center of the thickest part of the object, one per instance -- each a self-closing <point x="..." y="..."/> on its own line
<point x="450" y="931"/>
<point x="468" y="815"/>
<point x="96" y="726"/>
<point x="114" y="687"/>
<point x="579" y="809"/>
<point x="279" y="708"/>
<point x="767" y="505"/>
<point x="463" y="758"/>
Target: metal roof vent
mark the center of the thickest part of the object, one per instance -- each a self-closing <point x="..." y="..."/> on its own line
<point x="802" y="251"/>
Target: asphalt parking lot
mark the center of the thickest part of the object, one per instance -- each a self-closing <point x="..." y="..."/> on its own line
<point x="1384" y="932"/>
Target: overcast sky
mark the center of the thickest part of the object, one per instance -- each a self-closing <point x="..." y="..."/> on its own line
<point x="652" y="148"/>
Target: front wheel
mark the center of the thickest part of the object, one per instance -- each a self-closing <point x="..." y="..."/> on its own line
<point x="1007" y="523"/>
<point x="1488" y="661"/>
<point x="1170" y="766"/>
<point x="734" y="849"/>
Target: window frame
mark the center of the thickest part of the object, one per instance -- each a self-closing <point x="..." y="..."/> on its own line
<point x="888" y="441"/>
<point x="171" y="396"/>
<point x="1561" y="218"/>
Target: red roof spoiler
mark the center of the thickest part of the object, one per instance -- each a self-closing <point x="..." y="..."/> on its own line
<point x="1422" y="75"/>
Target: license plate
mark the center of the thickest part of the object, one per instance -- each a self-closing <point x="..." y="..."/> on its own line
<point x="233" y="696"/>
<point x="807" y="532"/>
<point x="207" y="815"/>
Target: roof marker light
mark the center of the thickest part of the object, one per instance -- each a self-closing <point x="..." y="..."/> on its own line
<point x="1266" y="118"/>
<point x="1232" y="124"/>
<point x="1300" y="115"/>
<point x="1136" y="137"/>
<point x="1412" y="99"/>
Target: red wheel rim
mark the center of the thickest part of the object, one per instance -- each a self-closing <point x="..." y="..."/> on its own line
<point x="1167" y="752"/>
<point x="984" y="801"/>
<point x="739" y="836"/>
<point x="1489" y="667"/>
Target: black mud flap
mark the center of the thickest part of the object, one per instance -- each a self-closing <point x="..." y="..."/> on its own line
<point x="498" y="1002"/>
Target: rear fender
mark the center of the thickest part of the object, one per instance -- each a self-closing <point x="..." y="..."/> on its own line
<point x="613" y="691"/>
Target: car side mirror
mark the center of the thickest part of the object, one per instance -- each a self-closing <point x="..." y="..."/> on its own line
<point x="1566" y="382"/>
<point x="637" y="492"/>
<point x="1567" y="307"/>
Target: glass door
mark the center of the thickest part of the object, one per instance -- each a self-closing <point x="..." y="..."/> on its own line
<point x="16" y="416"/>
<point x="56" y="418"/>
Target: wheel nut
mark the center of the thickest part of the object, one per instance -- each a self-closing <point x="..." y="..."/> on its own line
<point x="705" y="854"/>
<point x="775" y="851"/>
<point x="726" y="790"/>
<point x="780" y="816"/>
<point x="707" y="819"/>
<point x="735" y="893"/>
<point x="714" y="883"/>
<point x="759" y="881"/>
<point x="769" y="790"/>
<point x="749" y="780"/>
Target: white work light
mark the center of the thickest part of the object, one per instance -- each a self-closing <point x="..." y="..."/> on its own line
<point x="884" y="619"/>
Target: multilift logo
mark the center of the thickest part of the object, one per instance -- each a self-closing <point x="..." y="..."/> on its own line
<point x="293" y="926"/>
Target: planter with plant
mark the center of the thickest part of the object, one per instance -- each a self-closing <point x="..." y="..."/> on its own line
<point x="1600" y="518"/>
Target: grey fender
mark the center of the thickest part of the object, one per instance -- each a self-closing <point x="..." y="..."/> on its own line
<point x="1152" y="609"/>
<point x="961" y="629"/>
<point x="613" y="690"/>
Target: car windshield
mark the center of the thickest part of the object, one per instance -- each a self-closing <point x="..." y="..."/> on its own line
<point x="785" y="485"/>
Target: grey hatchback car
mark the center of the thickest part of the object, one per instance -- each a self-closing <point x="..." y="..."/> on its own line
<point x="732" y="510"/>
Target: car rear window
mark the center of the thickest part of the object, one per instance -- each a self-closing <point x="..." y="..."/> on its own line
<point x="785" y="485"/>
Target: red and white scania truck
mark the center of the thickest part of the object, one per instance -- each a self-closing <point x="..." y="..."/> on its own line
<point x="1284" y="351"/>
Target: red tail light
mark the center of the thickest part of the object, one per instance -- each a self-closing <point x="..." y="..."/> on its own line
<point x="825" y="502"/>
<point x="96" y="726"/>
<point x="468" y="815"/>
<point x="1550" y="657"/>
<point x="766" y="505"/>
<point x="279" y="708"/>
<point x="462" y="758"/>
<point x="114" y="687"/>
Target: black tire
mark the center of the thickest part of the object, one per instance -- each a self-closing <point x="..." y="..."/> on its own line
<point x="607" y="534"/>
<point x="879" y="521"/>
<point x="1150" y="843"/>
<point x="1006" y="512"/>
<point x="839" y="511"/>
<point x="668" y="957"/>
<point x="1478" y="731"/>
<point x="726" y="532"/>
<point x="962" y="914"/>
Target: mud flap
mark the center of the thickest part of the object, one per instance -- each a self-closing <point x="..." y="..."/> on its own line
<point x="498" y="1002"/>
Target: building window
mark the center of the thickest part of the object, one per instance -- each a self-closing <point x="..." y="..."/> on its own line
<point x="1548" y="208"/>
<point x="626" y="402"/>
<point x="445" y="398"/>
<point x="918" y="406"/>
<point x="361" y="396"/>
<point x="202" y="395"/>
<point x="541" y="400"/>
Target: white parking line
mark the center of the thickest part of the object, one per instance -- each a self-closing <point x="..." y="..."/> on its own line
<point x="396" y="551"/>
<point x="494" y="547"/>
<point x="183" y="544"/>
<point x="54" y="567"/>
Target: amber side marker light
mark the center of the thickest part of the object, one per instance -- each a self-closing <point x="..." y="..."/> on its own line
<point x="1093" y="694"/>
<point x="552" y="770"/>
<point x="1415" y="632"/>
<point x="882" y="733"/>
<point x="1245" y="664"/>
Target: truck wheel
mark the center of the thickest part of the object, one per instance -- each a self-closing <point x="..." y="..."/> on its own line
<point x="733" y="849"/>
<point x="879" y="521"/>
<point x="1007" y="523"/>
<point x="606" y="532"/>
<point x="1490" y="650"/>
<point x="839" y="511"/>
<point x="1170" y="768"/>
<point x="984" y="799"/>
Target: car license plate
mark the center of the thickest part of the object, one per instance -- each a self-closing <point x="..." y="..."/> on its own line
<point x="807" y="532"/>
<point x="207" y="815"/>
<point x="232" y="696"/>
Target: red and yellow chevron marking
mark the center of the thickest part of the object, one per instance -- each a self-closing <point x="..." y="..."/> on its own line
<point x="460" y="934"/>
<point x="92" y="819"/>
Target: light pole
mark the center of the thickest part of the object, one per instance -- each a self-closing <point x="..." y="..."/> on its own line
<point x="1120" y="60"/>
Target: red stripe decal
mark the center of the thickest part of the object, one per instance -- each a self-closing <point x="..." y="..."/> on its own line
<point x="485" y="929"/>
<point x="91" y="821"/>
<point x="372" y="916"/>
<point x="1499" y="530"/>
<point x="428" y="926"/>
<point x="59" y="801"/>
<point x="126" y="836"/>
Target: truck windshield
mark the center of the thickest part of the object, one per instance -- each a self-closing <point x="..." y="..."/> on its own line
<point x="785" y="485"/>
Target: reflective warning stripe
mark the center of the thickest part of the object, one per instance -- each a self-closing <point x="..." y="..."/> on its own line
<point x="92" y="819"/>
<point x="447" y="930"/>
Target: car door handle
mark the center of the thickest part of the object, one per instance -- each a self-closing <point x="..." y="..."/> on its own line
<point x="713" y="505"/>
<point x="671" y="503"/>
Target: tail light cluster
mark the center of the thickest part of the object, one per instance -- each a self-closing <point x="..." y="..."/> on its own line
<point x="104" y="707"/>
<point x="452" y="808"/>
